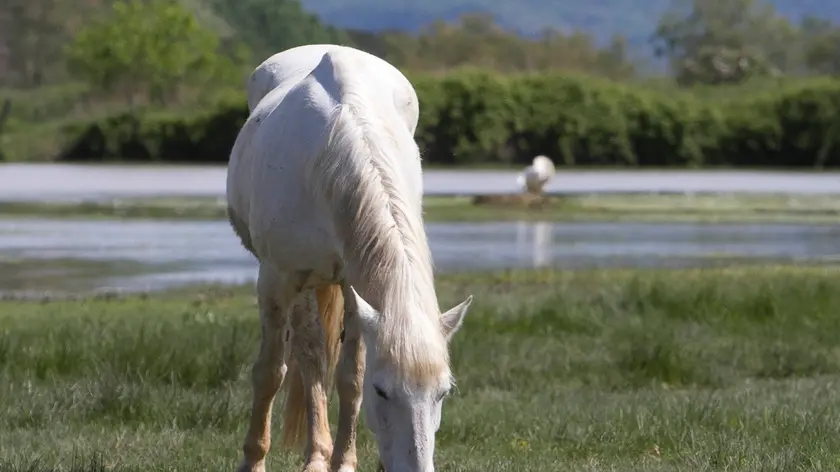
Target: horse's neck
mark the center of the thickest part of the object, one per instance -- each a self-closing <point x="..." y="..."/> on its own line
<point x="391" y="279"/>
<point x="373" y="178"/>
<point x="391" y="270"/>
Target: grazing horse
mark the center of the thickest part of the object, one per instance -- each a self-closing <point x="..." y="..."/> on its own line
<point x="325" y="189"/>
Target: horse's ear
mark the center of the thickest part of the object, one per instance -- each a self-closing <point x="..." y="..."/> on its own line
<point x="452" y="320"/>
<point x="367" y="316"/>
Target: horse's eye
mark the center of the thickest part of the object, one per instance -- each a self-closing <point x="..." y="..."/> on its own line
<point x="380" y="392"/>
<point x="442" y="395"/>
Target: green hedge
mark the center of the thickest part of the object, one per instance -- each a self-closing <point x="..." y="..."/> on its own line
<point x="475" y="117"/>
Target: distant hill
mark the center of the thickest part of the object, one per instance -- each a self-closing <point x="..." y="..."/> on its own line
<point x="636" y="19"/>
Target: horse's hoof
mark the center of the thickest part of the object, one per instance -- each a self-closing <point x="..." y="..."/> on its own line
<point x="346" y="468"/>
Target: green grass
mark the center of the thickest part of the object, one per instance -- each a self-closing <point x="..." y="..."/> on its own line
<point x="701" y="370"/>
<point x="607" y="207"/>
<point x="650" y="207"/>
<point x="159" y="208"/>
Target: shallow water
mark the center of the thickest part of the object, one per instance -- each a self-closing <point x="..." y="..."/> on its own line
<point x="79" y="256"/>
<point x="69" y="182"/>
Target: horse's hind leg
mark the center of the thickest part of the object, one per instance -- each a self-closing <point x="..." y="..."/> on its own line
<point x="308" y="345"/>
<point x="274" y="297"/>
<point x="349" y="377"/>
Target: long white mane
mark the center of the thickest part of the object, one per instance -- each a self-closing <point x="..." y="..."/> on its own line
<point x="368" y="176"/>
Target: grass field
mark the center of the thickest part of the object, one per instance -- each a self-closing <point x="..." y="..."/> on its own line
<point x="702" y="370"/>
<point x="606" y="207"/>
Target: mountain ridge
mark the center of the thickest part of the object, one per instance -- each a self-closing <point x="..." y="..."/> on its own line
<point x="634" y="19"/>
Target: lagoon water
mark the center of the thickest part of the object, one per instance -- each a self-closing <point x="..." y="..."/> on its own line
<point x="47" y="255"/>
<point x="69" y="182"/>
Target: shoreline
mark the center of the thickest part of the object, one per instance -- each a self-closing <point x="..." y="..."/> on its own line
<point x="601" y="207"/>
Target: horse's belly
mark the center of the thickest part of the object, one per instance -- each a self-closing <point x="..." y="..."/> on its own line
<point x="293" y="238"/>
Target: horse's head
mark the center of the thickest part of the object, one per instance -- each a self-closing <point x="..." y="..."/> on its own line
<point x="402" y="404"/>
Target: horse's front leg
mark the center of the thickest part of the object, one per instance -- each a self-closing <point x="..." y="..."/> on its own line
<point x="349" y="377"/>
<point x="268" y="371"/>
<point x="309" y="346"/>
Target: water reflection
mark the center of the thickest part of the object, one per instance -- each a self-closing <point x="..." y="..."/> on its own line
<point x="144" y="255"/>
<point x="535" y="240"/>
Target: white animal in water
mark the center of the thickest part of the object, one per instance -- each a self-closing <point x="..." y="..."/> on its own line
<point x="534" y="178"/>
<point x="325" y="189"/>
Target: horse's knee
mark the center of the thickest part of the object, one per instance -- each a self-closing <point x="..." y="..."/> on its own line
<point x="267" y="376"/>
<point x="256" y="448"/>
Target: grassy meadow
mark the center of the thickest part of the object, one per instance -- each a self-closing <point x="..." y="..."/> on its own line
<point x="704" y="370"/>
<point x="816" y="209"/>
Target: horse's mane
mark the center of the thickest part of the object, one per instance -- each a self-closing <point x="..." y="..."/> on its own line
<point x="377" y="214"/>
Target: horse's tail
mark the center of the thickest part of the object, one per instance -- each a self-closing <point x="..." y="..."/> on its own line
<point x="331" y="311"/>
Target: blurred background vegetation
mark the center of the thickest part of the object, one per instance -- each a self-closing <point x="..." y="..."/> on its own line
<point x="587" y="82"/>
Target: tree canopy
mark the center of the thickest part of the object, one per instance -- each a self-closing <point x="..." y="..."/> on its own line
<point x="149" y="47"/>
<point x="158" y="48"/>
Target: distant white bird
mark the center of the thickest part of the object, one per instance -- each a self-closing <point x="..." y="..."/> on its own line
<point x="535" y="176"/>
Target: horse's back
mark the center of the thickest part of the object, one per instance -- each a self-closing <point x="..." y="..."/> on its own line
<point x="270" y="206"/>
<point x="286" y="68"/>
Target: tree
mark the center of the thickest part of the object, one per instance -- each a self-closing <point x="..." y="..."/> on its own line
<point x="270" y="26"/>
<point x="724" y="41"/>
<point x="477" y="40"/>
<point x="147" y="48"/>
<point x="32" y="35"/>
<point x="821" y="44"/>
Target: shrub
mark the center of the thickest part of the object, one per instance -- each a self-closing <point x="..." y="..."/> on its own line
<point x="473" y="117"/>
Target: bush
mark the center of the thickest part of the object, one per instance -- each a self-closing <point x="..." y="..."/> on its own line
<point x="155" y="136"/>
<point x="475" y="117"/>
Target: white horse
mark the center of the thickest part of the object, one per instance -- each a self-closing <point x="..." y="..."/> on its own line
<point x="325" y="189"/>
<point x="535" y="176"/>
